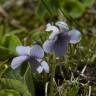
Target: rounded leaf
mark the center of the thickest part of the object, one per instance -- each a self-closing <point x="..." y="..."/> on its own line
<point x="73" y="8"/>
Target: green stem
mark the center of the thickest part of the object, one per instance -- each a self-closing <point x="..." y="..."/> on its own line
<point x="29" y="81"/>
<point x="53" y="66"/>
<point x="47" y="7"/>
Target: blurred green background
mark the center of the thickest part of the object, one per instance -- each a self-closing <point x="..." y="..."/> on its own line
<point x="23" y="22"/>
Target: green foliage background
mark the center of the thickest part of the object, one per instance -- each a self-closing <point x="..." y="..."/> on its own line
<point x="22" y="22"/>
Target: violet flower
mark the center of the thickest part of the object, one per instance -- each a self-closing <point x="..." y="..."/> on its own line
<point x="60" y="37"/>
<point x="32" y="54"/>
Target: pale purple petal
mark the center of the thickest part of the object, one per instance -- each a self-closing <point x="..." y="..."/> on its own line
<point x="45" y="66"/>
<point x="39" y="60"/>
<point x="54" y="31"/>
<point x="23" y="50"/>
<point x="49" y="24"/>
<point x="39" y="69"/>
<point x="62" y="25"/>
<point x="61" y="44"/>
<point x="35" y="64"/>
<point x="36" y="51"/>
<point x="75" y="36"/>
<point x="48" y="46"/>
<point x="52" y="28"/>
<point x="53" y="35"/>
<point x="60" y="48"/>
<point x="17" y="61"/>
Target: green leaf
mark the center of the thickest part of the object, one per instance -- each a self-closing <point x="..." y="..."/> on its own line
<point x="14" y="74"/>
<point x="3" y="67"/>
<point x="16" y="31"/>
<point x="39" y="36"/>
<point x="4" y="53"/>
<point x="23" y="68"/>
<point x="11" y="41"/>
<point x="73" y="90"/>
<point x="9" y="92"/>
<point x="29" y="81"/>
<point x="1" y="33"/>
<point x="73" y="8"/>
<point x="87" y="3"/>
<point x="16" y="85"/>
